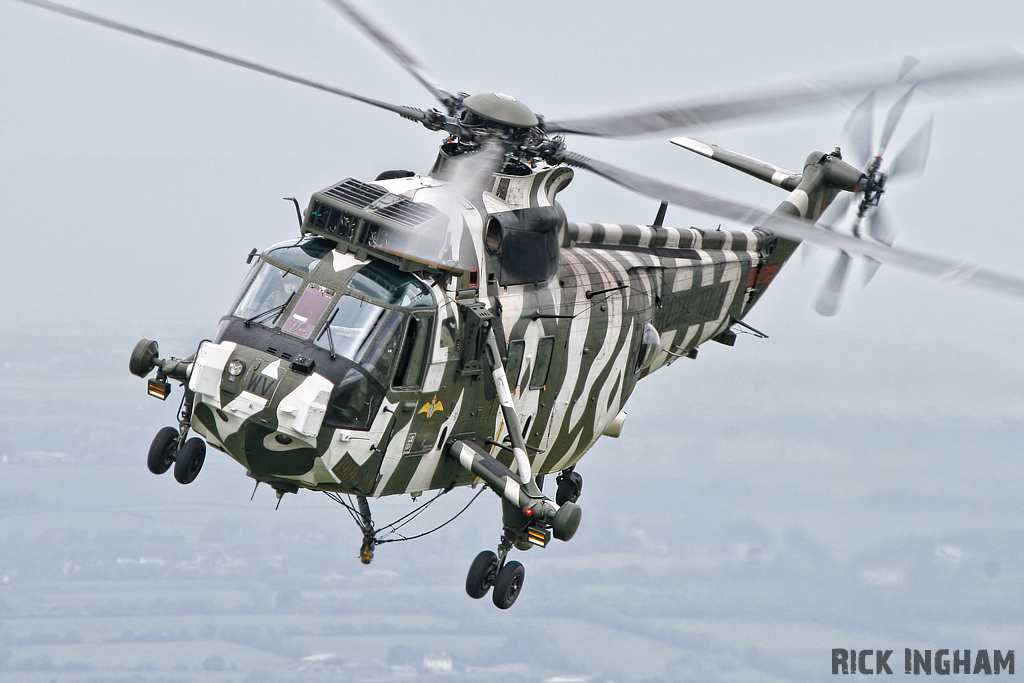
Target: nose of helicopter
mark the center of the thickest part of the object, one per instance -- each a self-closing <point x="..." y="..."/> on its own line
<point x="264" y="411"/>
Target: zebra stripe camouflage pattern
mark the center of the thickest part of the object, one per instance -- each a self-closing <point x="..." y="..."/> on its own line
<point x="298" y="402"/>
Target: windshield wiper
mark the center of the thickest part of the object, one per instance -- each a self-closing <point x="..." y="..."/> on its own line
<point x="327" y="330"/>
<point x="259" y="317"/>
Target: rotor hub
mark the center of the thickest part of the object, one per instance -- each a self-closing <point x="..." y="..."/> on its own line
<point x="501" y="108"/>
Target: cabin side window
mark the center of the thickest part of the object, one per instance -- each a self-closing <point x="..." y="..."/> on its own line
<point x="514" y="364"/>
<point x="545" y="347"/>
<point x="413" y="358"/>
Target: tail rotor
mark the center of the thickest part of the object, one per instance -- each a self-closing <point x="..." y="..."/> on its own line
<point x="871" y="221"/>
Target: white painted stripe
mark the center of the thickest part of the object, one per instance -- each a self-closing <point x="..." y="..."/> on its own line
<point x="522" y="464"/>
<point x="799" y="199"/>
<point x="646" y="236"/>
<point x="697" y="241"/>
<point x="673" y="238"/>
<point x="612" y="233"/>
<point x="466" y="457"/>
<point x="511" y="491"/>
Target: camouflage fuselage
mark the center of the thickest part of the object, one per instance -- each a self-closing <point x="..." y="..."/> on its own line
<point x="623" y="302"/>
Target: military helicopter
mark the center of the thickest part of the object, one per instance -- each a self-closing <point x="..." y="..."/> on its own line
<point x="435" y="331"/>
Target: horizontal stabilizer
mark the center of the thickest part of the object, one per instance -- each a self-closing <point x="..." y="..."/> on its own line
<point x="770" y="173"/>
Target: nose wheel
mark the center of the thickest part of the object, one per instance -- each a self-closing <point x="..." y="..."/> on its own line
<point x="482" y="574"/>
<point x="190" y="460"/>
<point x="170" y="447"/>
<point x="162" y="450"/>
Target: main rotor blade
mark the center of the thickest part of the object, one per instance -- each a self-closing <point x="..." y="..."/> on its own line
<point x="828" y="301"/>
<point x="957" y="272"/>
<point x="956" y="72"/>
<point x="392" y="47"/>
<point x="908" y="64"/>
<point x="407" y="112"/>
<point x="912" y="159"/>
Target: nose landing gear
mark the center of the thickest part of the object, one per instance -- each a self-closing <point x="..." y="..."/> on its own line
<point x="162" y="450"/>
<point x="191" y="457"/>
<point x="169" y="446"/>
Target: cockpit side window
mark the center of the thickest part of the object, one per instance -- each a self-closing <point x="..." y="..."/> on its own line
<point x="302" y="255"/>
<point x="384" y="282"/>
<point x="268" y="295"/>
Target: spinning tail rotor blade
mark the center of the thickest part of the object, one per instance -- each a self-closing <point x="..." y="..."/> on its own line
<point x="893" y="119"/>
<point x="880" y="227"/>
<point x="858" y="130"/>
<point x="392" y="47"/>
<point x="827" y="303"/>
<point x="829" y="219"/>
<point x="836" y="210"/>
<point x="956" y="72"/>
<point x="957" y="272"/>
<point x="912" y="159"/>
<point x="407" y="112"/>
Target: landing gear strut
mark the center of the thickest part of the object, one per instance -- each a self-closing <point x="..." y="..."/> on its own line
<point x="528" y="518"/>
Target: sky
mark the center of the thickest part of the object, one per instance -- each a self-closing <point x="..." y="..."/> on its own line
<point x="134" y="179"/>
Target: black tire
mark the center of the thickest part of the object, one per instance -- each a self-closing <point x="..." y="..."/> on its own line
<point x="190" y="461"/>
<point x="162" y="450"/>
<point x="508" y="584"/>
<point x="481" y="574"/>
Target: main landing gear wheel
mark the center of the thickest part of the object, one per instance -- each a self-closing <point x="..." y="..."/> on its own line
<point x="481" y="574"/>
<point x="162" y="450"/>
<point x="190" y="460"/>
<point x="508" y="584"/>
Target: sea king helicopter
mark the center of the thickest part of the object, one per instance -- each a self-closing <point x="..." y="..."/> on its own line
<point x="433" y="331"/>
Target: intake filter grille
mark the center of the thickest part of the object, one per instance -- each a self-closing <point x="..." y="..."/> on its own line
<point x="356" y="193"/>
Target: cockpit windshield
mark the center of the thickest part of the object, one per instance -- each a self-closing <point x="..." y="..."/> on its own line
<point x="307" y="312"/>
<point x="267" y="296"/>
<point x="363" y="332"/>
